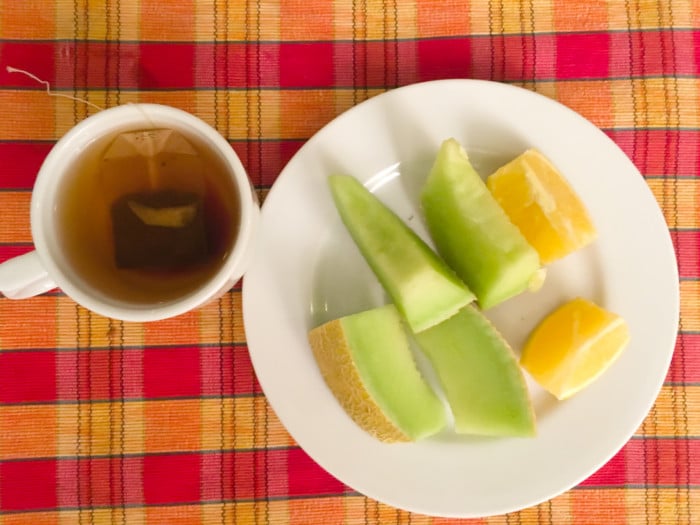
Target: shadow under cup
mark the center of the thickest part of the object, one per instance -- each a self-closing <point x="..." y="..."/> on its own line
<point x="73" y="217"/>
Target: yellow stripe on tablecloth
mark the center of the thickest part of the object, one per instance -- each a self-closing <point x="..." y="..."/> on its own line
<point x="663" y="418"/>
<point x="655" y="102"/>
<point x="210" y="329"/>
<point x="242" y="15"/>
<point x="102" y="331"/>
<point x="661" y="506"/>
<point x="97" y="19"/>
<point x="685" y="194"/>
<point x="650" y="14"/>
<point x="690" y="305"/>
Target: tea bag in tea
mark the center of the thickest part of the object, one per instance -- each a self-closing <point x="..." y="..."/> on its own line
<point x="154" y="182"/>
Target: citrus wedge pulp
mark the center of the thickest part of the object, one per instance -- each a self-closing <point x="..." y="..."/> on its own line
<point x="543" y="205"/>
<point x="573" y="346"/>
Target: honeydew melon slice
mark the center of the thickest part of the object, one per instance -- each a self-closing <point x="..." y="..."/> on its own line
<point x="423" y="288"/>
<point x="471" y="231"/>
<point x="367" y="363"/>
<point x="480" y="376"/>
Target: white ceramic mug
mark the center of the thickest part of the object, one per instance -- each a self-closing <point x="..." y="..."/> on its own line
<point x="47" y="267"/>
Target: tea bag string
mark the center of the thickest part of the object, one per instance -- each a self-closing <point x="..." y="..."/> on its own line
<point x="11" y="69"/>
<point x="153" y="174"/>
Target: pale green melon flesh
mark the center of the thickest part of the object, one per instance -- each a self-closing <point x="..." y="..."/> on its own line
<point x="472" y="232"/>
<point x="423" y="288"/>
<point x="480" y="375"/>
<point x="381" y="353"/>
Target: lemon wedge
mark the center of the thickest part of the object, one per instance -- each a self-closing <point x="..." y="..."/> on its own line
<point x="543" y="205"/>
<point x="573" y="346"/>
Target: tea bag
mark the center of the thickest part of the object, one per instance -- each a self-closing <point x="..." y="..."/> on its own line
<point x="155" y="183"/>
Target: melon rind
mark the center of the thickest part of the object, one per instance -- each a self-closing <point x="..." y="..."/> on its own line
<point x="366" y="361"/>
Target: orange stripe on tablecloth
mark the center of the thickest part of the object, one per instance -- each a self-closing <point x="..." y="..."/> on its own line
<point x="167" y="19"/>
<point x="185" y="99"/>
<point x="580" y="16"/>
<point x="27" y="20"/>
<point x="330" y="510"/>
<point x="204" y="322"/>
<point x="595" y="102"/>
<point x="28" y="323"/>
<point x="15" y="217"/>
<point x="601" y="507"/>
<point x="35" y="518"/>
<point x="177" y="330"/>
<point x="685" y="194"/>
<point x="182" y="514"/>
<point x="27" y="115"/>
<point x="28" y="431"/>
<point x="301" y="18"/>
<point x="440" y="17"/>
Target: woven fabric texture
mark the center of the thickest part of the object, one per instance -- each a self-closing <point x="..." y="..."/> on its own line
<point x="107" y="422"/>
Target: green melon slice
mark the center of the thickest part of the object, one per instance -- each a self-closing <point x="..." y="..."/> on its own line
<point x="367" y="363"/>
<point x="480" y="376"/>
<point x="423" y="288"/>
<point x="472" y="232"/>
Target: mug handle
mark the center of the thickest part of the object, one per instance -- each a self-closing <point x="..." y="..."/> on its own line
<point x="24" y="276"/>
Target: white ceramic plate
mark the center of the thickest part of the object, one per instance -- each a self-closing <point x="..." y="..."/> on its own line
<point x="308" y="271"/>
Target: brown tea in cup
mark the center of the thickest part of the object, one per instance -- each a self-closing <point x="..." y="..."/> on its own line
<point x="147" y="215"/>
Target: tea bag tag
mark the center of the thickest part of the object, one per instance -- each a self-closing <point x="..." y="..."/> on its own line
<point x="151" y="160"/>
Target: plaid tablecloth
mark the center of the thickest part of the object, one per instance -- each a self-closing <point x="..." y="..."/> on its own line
<point x="164" y="423"/>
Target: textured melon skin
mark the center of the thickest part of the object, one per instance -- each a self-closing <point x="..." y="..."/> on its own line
<point x="423" y="288"/>
<point x="480" y="375"/>
<point x="471" y="231"/>
<point x="367" y="363"/>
